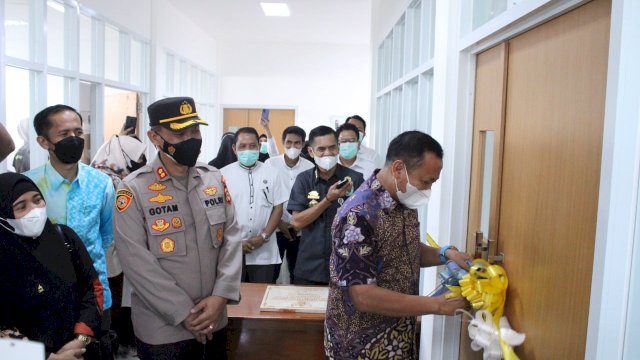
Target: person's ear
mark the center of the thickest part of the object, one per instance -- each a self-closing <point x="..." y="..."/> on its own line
<point x="397" y="169"/>
<point x="155" y="138"/>
<point x="233" y="147"/>
<point x="310" y="151"/>
<point x="43" y="142"/>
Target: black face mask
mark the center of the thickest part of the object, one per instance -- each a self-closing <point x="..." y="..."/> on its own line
<point x="136" y="165"/>
<point x="185" y="152"/>
<point x="69" y="150"/>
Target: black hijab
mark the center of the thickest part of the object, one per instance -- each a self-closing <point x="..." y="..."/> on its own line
<point x="12" y="186"/>
<point x="225" y="155"/>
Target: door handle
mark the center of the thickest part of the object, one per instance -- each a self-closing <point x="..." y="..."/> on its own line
<point x="484" y="247"/>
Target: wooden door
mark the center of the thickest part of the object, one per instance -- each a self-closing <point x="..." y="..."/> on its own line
<point x="279" y="119"/>
<point x="545" y="206"/>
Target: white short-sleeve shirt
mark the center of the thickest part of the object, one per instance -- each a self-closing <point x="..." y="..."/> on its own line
<point x="289" y="175"/>
<point x="254" y="193"/>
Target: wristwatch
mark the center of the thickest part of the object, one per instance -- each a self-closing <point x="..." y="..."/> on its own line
<point x="85" y="339"/>
<point x="265" y="237"/>
<point x="443" y="257"/>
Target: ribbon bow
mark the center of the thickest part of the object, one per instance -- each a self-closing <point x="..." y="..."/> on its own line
<point x="485" y="287"/>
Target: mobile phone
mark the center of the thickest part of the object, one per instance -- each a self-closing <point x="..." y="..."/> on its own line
<point x="342" y="183"/>
<point x="131" y="122"/>
<point x="265" y="115"/>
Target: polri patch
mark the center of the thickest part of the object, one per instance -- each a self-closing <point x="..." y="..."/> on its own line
<point x="123" y="199"/>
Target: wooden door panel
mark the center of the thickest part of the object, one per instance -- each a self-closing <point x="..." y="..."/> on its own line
<point x="550" y="178"/>
<point x="279" y="119"/>
<point x="544" y="192"/>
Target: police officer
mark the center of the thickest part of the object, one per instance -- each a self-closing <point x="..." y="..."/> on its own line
<point x="179" y="242"/>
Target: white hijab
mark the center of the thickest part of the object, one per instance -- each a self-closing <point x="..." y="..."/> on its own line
<point x="117" y="153"/>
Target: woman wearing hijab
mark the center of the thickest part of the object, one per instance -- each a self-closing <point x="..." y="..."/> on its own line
<point x="225" y="155"/>
<point x="119" y="157"/>
<point x="49" y="290"/>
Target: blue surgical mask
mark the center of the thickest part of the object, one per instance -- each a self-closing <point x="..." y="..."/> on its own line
<point x="264" y="148"/>
<point x="248" y="157"/>
<point x="348" y="150"/>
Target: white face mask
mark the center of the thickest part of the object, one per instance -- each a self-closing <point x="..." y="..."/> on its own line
<point x="327" y="162"/>
<point x="31" y="225"/>
<point x="412" y="198"/>
<point x="292" y="153"/>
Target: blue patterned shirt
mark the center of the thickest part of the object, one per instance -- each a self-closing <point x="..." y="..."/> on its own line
<point x="85" y="205"/>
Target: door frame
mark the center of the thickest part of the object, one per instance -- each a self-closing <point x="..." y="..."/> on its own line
<point x="620" y="169"/>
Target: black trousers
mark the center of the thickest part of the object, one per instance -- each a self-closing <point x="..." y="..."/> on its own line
<point x="215" y="349"/>
<point x="291" y="248"/>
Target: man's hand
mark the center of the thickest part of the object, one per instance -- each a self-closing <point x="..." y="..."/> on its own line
<point x="74" y="354"/>
<point x="256" y="241"/>
<point x="190" y="319"/>
<point x="459" y="258"/>
<point x="265" y="125"/>
<point x="449" y="306"/>
<point x="334" y="193"/>
<point x="284" y="228"/>
<point x="207" y="315"/>
<point x="74" y="344"/>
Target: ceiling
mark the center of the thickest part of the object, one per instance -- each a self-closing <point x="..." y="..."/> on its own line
<point x="311" y="21"/>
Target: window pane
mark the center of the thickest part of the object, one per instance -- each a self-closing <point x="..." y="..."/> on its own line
<point x="111" y="53"/>
<point x="86" y="44"/>
<point x="17" y="25"/>
<point x="136" y="62"/>
<point x="17" y="87"/>
<point x="56" y="90"/>
<point x="485" y="10"/>
<point x="55" y="33"/>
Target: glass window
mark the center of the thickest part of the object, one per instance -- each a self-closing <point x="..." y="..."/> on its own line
<point x="136" y="63"/>
<point x="18" y="115"/>
<point x="86" y="44"/>
<point x="17" y="27"/>
<point x="55" y="33"/>
<point x="57" y="90"/>
<point x="111" y="53"/>
<point x="485" y="10"/>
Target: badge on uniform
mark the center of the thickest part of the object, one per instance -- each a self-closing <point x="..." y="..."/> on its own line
<point x="157" y="187"/>
<point x="219" y="233"/>
<point x="162" y="173"/>
<point x="210" y="190"/>
<point x="314" y="196"/>
<point x="227" y="196"/>
<point x="160" y="225"/>
<point x="160" y="198"/>
<point x="123" y="199"/>
<point x="167" y="245"/>
<point x="176" y="222"/>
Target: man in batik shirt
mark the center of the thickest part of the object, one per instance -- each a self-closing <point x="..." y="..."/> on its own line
<point x="377" y="256"/>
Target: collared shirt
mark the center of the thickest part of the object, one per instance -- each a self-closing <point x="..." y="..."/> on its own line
<point x="85" y="205"/>
<point x="375" y="241"/>
<point x="371" y="155"/>
<point x="315" y="243"/>
<point x="289" y="174"/>
<point x="364" y="166"/>
<point x="177" y="246"/>
<point x="255" y="192"/>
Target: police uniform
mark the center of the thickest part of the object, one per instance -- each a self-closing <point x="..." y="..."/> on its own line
<point x="177" y="244"/>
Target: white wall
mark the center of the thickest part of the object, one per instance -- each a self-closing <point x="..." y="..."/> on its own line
<point x="130" y="15"/>
<point x="318" y="80"/>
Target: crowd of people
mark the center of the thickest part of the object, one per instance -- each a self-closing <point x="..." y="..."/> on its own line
<point x="134" y="254"/>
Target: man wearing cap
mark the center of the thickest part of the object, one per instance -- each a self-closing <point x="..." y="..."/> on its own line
<point x="179" y="242"/>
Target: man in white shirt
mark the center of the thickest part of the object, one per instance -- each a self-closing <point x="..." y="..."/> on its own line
<point x="289" y="165"/>
<point x="365" y="152"/>
<point x="258" y="193"/>
<point x="348" y="151"/>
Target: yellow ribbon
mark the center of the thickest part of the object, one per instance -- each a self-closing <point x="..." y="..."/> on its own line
<point x="485" y="287"/>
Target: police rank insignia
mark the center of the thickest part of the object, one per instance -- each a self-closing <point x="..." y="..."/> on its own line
<point x="160" y="198"/>
<point x="176" y="222"/>
<point x="167" y="245"/>
<point x="157" y="187"/>
<point x="160" y="225"/>
<point x="162" y="173"/>
<point x="123" y="199"/>
<point x="314" y="196"/>
<point x="210" y="190"/>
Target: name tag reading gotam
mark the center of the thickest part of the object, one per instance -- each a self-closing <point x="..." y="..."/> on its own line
<point x="303" y="299"/>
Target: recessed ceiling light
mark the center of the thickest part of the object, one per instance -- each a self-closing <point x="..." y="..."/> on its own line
<point x="275" y="9"/>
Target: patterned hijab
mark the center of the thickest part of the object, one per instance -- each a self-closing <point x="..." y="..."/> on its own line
<point x="115" y="157"/>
